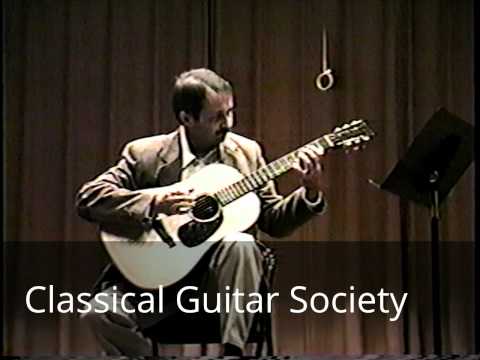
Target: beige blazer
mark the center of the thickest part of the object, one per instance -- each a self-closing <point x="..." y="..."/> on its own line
<point x="114" y="196"/>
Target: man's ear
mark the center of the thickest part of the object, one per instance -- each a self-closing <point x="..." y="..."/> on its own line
<point x="185" y="118"/>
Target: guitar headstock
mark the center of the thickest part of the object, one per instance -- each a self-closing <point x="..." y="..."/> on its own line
<point x="352" y="134"/>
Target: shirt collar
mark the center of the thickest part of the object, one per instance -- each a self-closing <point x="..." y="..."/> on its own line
<point x="187" y="155"/>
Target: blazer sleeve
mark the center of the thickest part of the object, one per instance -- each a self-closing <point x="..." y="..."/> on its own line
<point x="281" y="215"/>
<point x="114" y="196"/>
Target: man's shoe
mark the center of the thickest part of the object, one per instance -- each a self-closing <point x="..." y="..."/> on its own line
<point x="232" y="350"/>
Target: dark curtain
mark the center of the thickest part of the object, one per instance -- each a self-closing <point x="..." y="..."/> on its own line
<point x="85" y="77"/>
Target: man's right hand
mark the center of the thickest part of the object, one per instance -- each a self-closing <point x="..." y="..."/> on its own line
<point x="175" y="202"/>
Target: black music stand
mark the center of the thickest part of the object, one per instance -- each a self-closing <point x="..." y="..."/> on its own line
<point x="433" y="164"/>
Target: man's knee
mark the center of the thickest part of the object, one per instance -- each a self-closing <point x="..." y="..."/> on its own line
<point x="117" y="330"/>
<point x="93" y="316"/>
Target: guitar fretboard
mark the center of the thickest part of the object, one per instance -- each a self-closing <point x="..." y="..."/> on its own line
<point x="268" y="172"/>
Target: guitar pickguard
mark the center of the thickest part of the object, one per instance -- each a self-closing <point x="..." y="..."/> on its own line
<point x="194" y="233"/>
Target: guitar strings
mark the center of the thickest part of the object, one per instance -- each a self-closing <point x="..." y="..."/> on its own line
<point x="202" y="206"/>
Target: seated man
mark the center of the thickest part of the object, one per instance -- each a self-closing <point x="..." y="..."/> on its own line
<point x="203" y="104"/>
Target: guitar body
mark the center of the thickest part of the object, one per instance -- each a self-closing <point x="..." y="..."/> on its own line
<point x="149" y="260"/>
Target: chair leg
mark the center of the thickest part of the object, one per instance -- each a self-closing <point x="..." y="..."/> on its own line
<point x="259" y="348"/>
<point x="154" y="347"/>
<point x="266" y="330"/>
<point x="269" y="335"/>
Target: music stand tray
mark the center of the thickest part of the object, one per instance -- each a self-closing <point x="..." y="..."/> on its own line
<point x="437" y="158"/>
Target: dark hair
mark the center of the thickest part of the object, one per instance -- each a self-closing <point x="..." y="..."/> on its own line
<point x="190" y="90"/>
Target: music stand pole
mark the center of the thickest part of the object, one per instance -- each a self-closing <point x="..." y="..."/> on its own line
<point x="435" y="247"/>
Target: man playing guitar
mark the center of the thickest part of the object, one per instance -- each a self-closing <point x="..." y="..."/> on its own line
<point x="203" y="104"/>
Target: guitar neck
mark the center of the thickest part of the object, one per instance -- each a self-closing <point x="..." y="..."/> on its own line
<point x="268" y="172"/>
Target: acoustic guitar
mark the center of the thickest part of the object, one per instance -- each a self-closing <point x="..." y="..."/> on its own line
<point x="227" y="203"/>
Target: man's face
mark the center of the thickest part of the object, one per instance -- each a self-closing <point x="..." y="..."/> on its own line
<point x="215" y="120"/>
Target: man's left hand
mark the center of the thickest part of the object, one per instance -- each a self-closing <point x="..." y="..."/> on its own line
<point x="310" y="168"/>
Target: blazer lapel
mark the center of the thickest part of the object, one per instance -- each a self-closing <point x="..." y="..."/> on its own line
<point x="169" y="161"/>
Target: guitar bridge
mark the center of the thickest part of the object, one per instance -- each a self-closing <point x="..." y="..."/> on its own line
<point x="162" y="232"/>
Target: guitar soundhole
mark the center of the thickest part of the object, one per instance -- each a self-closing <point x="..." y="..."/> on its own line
<point x="206" y="209"/>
